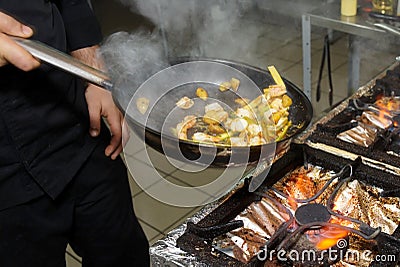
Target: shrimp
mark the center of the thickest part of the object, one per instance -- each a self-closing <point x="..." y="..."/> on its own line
<point x="238" y="125"/>
<point x="182" y="127"/>
<point x="202" y="137"/>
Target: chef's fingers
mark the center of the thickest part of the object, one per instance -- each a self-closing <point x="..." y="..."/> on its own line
<point x="11" y="26"/>
<point x="114" y="122"/>
<point x="125" y="133"/>
<point x="94" y="109"/>
<point x="117" y="152"/>
<point x="10" y="52"/>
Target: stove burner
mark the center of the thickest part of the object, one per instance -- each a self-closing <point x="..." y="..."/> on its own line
<point x="312" y="213"/>
<point x="314" y="216"/>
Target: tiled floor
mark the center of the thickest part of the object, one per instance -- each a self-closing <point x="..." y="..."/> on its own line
<point x="280" y="45"/>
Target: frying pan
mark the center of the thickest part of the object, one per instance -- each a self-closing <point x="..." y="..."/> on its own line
<point x="181" y="79"/>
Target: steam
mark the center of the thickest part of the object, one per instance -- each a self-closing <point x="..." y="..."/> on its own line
<point x="138" y="55"/>
<point x="183" y="28"/>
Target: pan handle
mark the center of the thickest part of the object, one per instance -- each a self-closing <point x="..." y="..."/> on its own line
<point x="65" y="62"/>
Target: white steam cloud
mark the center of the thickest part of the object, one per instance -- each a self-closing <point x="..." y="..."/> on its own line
<point x="184" y="28"/>
<point x="138" y="54"/>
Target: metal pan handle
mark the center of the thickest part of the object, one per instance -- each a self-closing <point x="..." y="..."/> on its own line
<point x="65" y="62"/>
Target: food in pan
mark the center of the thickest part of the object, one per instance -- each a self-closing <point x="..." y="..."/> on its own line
<point x="224" y="86"/>
<point x="262" y="120"/>
<point x="242" y="101"/>
<point x="235" y="84"/>
<point x="182" y="127"/>
<point x="185" y="103"/>
<point x="232" y="84"/>
<point x="202" y="93"/>
<point x="142" y="104"/>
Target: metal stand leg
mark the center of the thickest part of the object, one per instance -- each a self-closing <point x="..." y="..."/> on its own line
<point x="306" y="28"/>
<point x="354" y="65"/>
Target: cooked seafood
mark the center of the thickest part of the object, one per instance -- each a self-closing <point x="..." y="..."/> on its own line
<point x="259" y="121"/>
<point x="182" y="128"/>
<point x="185" y="103"/>
<point x="142" y="104"/>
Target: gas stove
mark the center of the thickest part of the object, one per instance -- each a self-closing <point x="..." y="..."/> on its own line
<point x="368" y="125"/>
<point x="315" y="209"/>
<point x="332" y="200"/>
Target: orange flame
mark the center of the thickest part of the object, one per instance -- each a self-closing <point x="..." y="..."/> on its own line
<point x="292" y="203"/>
<point x="386" y="106"/>
<point x="383" y="109"/>
<point x="331" y="236"/>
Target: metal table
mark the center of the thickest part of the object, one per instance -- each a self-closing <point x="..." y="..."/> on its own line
<point x="329" y="17"/>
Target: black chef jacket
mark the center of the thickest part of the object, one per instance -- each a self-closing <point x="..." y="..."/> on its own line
<point x="44" y="121"/>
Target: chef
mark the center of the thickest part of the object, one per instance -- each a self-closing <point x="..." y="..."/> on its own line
<point x="61" y="177"/>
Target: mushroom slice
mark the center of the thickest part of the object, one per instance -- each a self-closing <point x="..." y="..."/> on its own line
<point x="185" y="103"/>
<point x="213" y="107"/>
<point x="202" y="93"/>
<point x="242" y="101"/>
<point x="225" y="86"/>
<point x="142" y="104"/>
<point x="235" y="84"/>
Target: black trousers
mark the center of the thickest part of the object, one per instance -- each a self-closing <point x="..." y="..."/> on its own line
<point x="94" y="215"/>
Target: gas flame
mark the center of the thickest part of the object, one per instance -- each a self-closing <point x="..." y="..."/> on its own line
<point x="292" y="203"/>
<point x="301" y="187"/>
<point x="385" y="106"/>
<point x="383" y="113"/>
<point x="330" y="237"/>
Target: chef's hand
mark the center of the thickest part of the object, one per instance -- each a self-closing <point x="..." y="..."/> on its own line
<point x="10" y="51"/>
<point x="101" y="104"/>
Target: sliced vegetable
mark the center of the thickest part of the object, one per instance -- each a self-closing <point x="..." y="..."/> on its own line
<point x="284" y="131"/>
<point x="235" y="84"/>
<point x="286" y="101"/>
<point x="202" y="93"/>
<point x="275" y="75"/>
<point x="225" y="86"/>
<point x="185" y="103"/>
